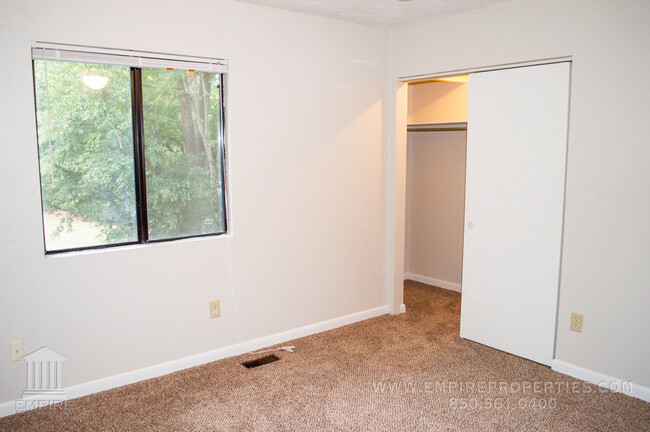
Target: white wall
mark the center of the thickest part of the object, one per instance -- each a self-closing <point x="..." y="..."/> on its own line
<point x="605" y="271"/>
<point x="433" y="102"/>
<point x="305" y="154"/>
<point x="435" y="205"/>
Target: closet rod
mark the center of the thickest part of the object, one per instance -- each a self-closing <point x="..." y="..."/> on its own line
<point x="437" y="127"/>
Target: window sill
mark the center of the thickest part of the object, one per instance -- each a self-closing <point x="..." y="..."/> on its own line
<point x="129" y="247"/>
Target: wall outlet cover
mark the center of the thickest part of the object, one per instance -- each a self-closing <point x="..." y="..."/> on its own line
<point x="576" y="322"/>
<point x="215" y="309"/>
<point x="17" y="350"/>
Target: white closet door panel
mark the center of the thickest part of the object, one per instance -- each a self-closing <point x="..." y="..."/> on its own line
<point x="516" y="150"/>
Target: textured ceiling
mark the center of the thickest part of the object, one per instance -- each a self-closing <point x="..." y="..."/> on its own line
<point x="383" y="13"/>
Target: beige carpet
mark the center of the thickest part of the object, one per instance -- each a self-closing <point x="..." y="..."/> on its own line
<point x="334" y="382"/>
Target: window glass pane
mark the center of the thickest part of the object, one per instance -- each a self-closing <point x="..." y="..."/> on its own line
<point x="182" y="128"/>
<point x="85" y="141"/>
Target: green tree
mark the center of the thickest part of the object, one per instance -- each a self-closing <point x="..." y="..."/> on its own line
<point x="86" y="150"/>
<point x="181" y="120"/>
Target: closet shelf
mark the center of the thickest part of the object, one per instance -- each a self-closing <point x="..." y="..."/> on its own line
<point x="438" y="126"/>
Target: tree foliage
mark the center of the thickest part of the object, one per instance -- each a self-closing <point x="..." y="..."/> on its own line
<point x="87" y="159"/>
<point x="182" y="158"/>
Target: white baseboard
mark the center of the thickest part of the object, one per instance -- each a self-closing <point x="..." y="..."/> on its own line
<point x="602" y="380"/>
<point x="9" y="408"/>
<point x="402" y="308"/>
<point x="432" y="281"/>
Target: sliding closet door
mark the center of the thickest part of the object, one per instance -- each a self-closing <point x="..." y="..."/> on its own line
<point x="514" y="201"/>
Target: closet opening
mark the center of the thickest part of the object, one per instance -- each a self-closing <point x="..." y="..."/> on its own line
<point x="435" y="181"/>
<point x="481" y="210"/>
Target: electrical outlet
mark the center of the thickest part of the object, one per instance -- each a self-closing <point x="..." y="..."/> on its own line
<point x="215" y="309"/>
<point x="576" y="322"/>
<point x="17" y="350"/>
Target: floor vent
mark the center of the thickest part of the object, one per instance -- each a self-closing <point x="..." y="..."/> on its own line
<point x="260" y="361"/>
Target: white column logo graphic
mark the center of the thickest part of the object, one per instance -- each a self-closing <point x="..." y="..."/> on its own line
<point x="44" y="380"/>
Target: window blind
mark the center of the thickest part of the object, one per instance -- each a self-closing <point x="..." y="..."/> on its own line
<point x="130" y="58"/>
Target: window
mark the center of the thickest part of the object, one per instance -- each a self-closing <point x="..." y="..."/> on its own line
<point x="131" y="146"/>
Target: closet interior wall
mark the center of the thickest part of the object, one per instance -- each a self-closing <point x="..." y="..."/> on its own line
<point x="435" y="184"/>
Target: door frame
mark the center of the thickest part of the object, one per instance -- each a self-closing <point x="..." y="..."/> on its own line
<point x="396" y="168"/>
